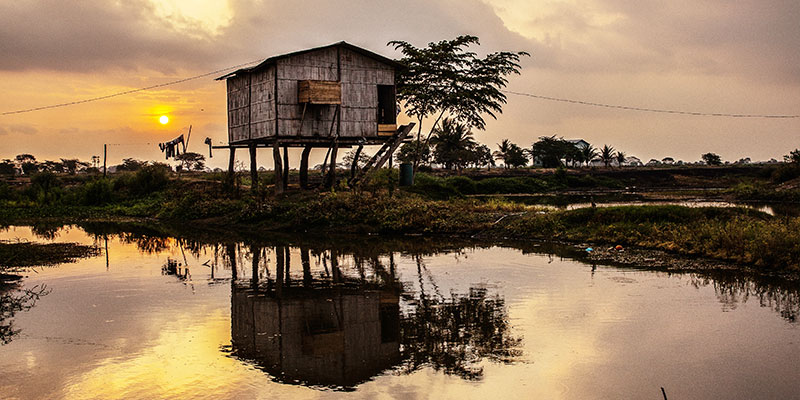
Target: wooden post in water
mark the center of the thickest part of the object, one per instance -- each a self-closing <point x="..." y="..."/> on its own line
<point x="255" y="252"/>
<point x="305" y="260"/>
<point x="230" y="250"/>
<point x="279" y="270"/>
<point x="288" y="264"/>
<point x="304" y="167"/>
<point x="253" y="169"/>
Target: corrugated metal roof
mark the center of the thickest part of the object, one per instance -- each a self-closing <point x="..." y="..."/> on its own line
<point x="343" y="44"/>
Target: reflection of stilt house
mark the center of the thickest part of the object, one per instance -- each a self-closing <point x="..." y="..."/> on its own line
<point x="327" y="337"/>
<point x="334" y="96"/>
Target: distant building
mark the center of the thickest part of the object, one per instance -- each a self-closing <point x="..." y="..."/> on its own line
<point x="579" y="143"/>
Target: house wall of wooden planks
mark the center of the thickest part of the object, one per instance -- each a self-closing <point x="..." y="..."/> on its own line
<point x="339" y="91"/>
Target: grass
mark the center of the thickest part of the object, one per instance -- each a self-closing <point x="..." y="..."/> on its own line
<point x="733" y="234"/>
<point x="435" y="205"/>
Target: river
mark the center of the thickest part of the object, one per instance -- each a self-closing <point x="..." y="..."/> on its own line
<point x="370" y="317"/>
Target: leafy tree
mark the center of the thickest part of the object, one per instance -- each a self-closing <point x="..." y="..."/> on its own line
<point x="620" y="158"/>
<point x="452" y="144"/>
<point x="516" y="157"/>
<point x="607" y="155"/>
<point x="793" y="157"/>
<point x="44" y="182"/>
<point x="192" y="161"/>
<point x="411" y="151"/>
<point x="51" y="166"/>
<point x="363" y="158"/>
<point x="27" y="163"/>
<point x="482" y="156"/>
<point x="7" y="167"/>
<point x="587" y="153"/>
<point x="550" y="150"/>
<point x="446" y="78"/>
<point x="73" y="164"/>
<point x="504" y="149"/>
<point x="131" y="164"/>
<point x="711" y="159"/>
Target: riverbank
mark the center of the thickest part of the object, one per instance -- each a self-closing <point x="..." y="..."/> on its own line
<point x="745" y="237"/>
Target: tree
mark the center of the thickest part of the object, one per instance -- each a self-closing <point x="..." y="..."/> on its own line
<point x="504" y="149"/>
<point x="363" y="158"/>
<point x="445" y="78"/>
<point x="587" y="153"/>
<point x="192" y="161"/>
<point x="620" y="158"/>
<point x="793" y="157"/>
<point x="482" y="157"/>
<point x="7" y="167"/>
<point x="516" y="157"/>
<point x="411" y="151"/>
<point x="71" y="165"/>
<point x="711" y="159"/>
<point x="550" y="150"/>
<point x="452" y="144"/>
<point x="607" y="154"/>
<point x="27" y="163"/>
<point x="131" y="164"/>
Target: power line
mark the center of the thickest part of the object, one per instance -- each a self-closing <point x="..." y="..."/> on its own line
<point x="654" y="110"/>
<point x="563" y="100"/>
<point x="108" y="96"/>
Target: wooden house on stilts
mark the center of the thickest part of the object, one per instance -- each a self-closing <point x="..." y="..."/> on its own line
<point x="331" y="97"/>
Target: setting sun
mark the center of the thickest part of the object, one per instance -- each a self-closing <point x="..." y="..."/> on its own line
<point x="163" y="119"/>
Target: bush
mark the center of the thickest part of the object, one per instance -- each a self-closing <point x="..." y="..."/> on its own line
<point x="148" y="179"/>
<point x="97" y="192"/>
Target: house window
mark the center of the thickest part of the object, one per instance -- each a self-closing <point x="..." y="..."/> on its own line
<point x="387" y="113"/>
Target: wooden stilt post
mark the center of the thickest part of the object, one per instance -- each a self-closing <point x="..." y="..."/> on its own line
<point x="354" y="166"/>
<point x="231" y="166"/>
<point x="331" y="180"/>
<point x="285" y="167"/>
<point x="276" y="156"/>
<point x="304" y="167"/>
<point x="288" y="264"/>
<point x="253" y="169"/>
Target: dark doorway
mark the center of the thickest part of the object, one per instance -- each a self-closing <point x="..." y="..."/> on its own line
<point x="386" y="105"/>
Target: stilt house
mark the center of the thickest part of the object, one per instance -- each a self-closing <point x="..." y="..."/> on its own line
<point x="333" y="96"/>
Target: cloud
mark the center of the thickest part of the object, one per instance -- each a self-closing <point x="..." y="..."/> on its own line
<point x="15" y="129"/>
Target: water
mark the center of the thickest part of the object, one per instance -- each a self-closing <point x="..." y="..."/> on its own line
<point x="386" y="318"/>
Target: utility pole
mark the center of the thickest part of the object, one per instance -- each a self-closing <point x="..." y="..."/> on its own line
<point x="105" y="154"/>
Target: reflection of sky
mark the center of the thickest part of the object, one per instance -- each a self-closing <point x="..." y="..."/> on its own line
<point x="131" y="332"/>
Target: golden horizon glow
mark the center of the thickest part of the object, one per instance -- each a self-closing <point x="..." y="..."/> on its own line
<point x="163" y="120"/>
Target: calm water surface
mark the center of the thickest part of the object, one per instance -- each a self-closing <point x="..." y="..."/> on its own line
<point x="369" y="317"/>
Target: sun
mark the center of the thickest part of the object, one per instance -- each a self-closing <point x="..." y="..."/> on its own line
<point x="163" y="119"/>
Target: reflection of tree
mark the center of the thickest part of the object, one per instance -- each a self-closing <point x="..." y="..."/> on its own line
<point x="455" y="334"/>
<point x="13" y="301"/>
<point x="734" y="289"/>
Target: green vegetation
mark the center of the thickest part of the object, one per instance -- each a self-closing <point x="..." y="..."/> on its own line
<point x="732" y="234"/>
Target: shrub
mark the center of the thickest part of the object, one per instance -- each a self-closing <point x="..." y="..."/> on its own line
<point x="97" y="192"/>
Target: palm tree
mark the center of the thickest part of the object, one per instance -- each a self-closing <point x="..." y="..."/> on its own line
<point x="588" y="153"/>
<point x="505" y="148"/>
<point x="620" y="158"/>
<point x="452" y="143"/>
<point x="607" y="154"/>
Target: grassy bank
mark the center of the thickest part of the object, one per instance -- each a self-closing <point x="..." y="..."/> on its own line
<point x="436" y="205"/>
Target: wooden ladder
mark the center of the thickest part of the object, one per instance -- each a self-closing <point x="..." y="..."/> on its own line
<point x="383" y="154"/>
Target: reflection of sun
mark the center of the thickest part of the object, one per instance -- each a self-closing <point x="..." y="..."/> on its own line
<point x="163" y="119"/>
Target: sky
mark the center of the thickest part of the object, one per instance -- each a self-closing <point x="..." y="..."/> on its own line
<point x="739" y="57"/>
